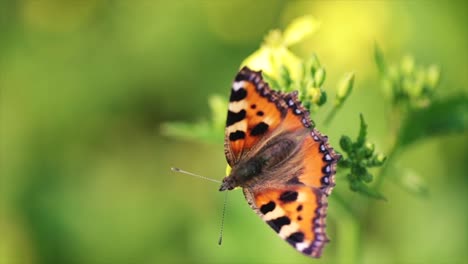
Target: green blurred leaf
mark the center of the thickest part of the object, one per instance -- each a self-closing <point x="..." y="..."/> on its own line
<point x="218" y="106"/>
<point x="271" y="81"/>
<point x="364" y="189"/>
<point x="407" y="64"/>
<point x="411" y="182"/>
<point x="300" y="28"/>
<point x="433" y="76"/>
<point x="361" y="139"/>
<point x="209" y="132"/>
<point x="379" y="59"/>
<point x="439" y="118"/>
<point x="201" y="131"/>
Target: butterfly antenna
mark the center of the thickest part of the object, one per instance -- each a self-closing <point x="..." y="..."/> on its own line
<point x="220" y="241"/>
<point x="195" y="175"/>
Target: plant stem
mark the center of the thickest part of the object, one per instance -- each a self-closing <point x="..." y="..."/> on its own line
<point x="395" y="120"/>
<point x="348" y="227"/>
<point x="331" y="115"/>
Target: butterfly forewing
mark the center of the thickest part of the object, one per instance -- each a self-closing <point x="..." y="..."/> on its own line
<point x="252" y="114"/>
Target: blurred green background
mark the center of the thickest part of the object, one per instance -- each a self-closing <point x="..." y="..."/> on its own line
<point x="85" y="172"/>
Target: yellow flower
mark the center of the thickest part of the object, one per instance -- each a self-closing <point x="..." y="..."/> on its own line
<point x="274" y="52"/>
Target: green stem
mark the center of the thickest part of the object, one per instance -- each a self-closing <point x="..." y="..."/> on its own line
<point x="348" y="228"/>
<point x="331" y="115"/>
<point x="395" y="148"/>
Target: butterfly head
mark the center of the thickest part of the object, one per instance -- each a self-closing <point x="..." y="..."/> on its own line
<point x="227" y="184"/>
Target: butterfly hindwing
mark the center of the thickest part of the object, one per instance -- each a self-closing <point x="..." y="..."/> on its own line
<point x="317" y="159"/>
<point x="296" y="212"/>
<point x="319" y="163"/>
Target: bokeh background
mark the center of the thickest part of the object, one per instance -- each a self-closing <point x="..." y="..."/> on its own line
<point x="85" y="171"/>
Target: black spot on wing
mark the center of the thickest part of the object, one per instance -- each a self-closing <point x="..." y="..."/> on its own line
<point x="288" y="196"/>
<point x="296" y="237"/>
<point x="233" y="136"/>
<point x="299" y="208"/>
<point x="294" y="180"/>
<point x="267" y="207"/>
<point x="279" y="222"/>
<point x="233" y="118"/>
<point x="238" y="95"/>
<point x="259" y="129"/>
<point x="260" y="113"/>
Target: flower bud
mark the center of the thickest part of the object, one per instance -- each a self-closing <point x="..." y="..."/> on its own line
<point x="344" y="163"/>
<point x="369" y="149"/>
<point x="344" y="88"/>
<point x="367" y="177"/>
<point x="319" y="77"/>
<point x="346" y="143"/>
<point x="314" y="94"/>
<point x="380" y="159"/>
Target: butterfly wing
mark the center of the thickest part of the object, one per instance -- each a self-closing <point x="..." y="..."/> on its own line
<point x="296" y="212"/>
<point x="254" y="111"/>
<point x="315" y="163"/>
<point x="258" y="114"/>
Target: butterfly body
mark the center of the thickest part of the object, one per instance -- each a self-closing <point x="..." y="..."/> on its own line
<point x="256" y="171"/>
<point x="285" y="166"/>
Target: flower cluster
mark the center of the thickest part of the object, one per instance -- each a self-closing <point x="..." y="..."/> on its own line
<point x="360" y="156"/>
<point x="406" y="83"/>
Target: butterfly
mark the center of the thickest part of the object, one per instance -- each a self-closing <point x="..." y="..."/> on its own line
<point x="284" y="165"/>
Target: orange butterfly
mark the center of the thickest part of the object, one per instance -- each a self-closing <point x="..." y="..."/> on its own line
<point x="285" y="166"/>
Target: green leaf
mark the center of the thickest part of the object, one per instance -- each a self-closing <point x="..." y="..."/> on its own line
<point x="201" y="131"/>
<point x="411" y="182"/>
<point x="367" y="191"/>
<point x="285" y="77"/>
<point x="272" y="82"/>
<point x="345" y="163"/>
<point x="361" y="139"/>
<point x="218" y="106"/>
<point x="379" y="59"/>
<point x="314" y="62"/>
<point x="407" y="64"/>
<point x="208" y="132"/>
<point x="433" y="76"/>
<point x="440" y="118"/>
